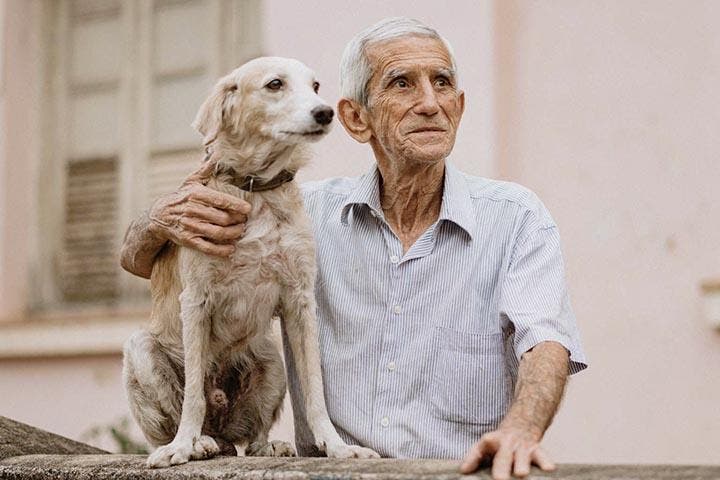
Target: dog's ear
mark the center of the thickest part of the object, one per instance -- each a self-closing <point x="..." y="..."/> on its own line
<point x="214" y="111"/>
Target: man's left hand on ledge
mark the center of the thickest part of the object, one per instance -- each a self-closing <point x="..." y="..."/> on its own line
<point x="511" y="450"/>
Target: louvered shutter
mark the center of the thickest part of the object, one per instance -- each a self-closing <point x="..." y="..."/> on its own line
<point x="88" y="264"/>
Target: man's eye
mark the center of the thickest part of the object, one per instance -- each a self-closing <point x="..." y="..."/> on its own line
<point x="276" y="84"/>
<point x="442" y="82"/>
<point x="402" y="83"/>
<point x="316" y="87"/>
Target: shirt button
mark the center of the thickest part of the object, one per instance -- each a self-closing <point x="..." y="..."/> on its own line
<point x="385" y="422"/>
<point x="394" y="259"/>
<point x="391" y="366"/>
<point x="397" y="309"/>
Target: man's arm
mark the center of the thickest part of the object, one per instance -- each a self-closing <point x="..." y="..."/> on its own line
<point x="542" y="376"/>
<point x="142" y="242"/>
<point x="194" y="216"/>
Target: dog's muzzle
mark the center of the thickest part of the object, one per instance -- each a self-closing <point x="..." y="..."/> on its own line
<point x="322" y="115"/>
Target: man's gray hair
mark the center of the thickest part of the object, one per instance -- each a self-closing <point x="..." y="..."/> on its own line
<point x="356" y="71"/>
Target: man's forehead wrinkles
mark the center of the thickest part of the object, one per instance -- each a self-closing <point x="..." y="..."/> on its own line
<point x="392" y="52"/>
<point x="407" y="60"/>
<point x="394" y="72"/>
<point x="407" y="70"/>
<point x="414" y="59"/>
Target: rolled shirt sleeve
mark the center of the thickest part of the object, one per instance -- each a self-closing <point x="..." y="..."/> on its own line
<point x="535" y="297"/>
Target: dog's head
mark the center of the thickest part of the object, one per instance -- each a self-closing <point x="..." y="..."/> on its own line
<point x="271" y="98"/>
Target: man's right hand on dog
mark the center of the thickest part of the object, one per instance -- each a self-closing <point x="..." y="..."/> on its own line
<point x="199" y="217"/>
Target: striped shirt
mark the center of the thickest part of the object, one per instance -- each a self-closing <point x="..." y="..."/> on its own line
<point x="420" y="349"/>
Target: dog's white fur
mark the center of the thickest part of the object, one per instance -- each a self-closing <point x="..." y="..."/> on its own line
<point x="211" y="316"/>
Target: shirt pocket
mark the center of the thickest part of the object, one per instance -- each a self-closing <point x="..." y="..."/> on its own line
<point x="468" y="381"/>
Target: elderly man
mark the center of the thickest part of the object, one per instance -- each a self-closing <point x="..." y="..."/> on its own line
<point x="445" y="325"/>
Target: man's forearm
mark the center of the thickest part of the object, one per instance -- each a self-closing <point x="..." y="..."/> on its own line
<point x="141" y="245"/>
<point x="542" y="376"/>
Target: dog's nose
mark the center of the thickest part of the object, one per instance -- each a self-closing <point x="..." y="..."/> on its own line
<point x="322" y="115"/>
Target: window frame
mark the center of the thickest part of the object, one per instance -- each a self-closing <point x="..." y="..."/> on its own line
<point x="235" y="40"/>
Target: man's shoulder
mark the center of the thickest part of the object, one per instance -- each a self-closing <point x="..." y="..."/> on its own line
<point x="499" y="190"/>
<point x="504" y="193"/>
<point x="324" y="198"/>
<point x="334" y="186"/>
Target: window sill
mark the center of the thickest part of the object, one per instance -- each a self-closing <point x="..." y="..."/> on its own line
<point x="100" y="331"/>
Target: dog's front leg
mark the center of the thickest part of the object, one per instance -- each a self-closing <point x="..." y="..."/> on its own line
<point x="298" y="315"/>
<point x="188" y="443"/>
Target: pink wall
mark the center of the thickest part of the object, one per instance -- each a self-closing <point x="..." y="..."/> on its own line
<point x="65" y="396"/>
<point x="610" y="112"/>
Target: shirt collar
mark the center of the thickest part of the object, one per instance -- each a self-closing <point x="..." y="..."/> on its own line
<point x="367" y="192"/>
<point x="456" y="204"/>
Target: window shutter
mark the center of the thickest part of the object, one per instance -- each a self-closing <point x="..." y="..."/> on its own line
<point x="88" y="262"/>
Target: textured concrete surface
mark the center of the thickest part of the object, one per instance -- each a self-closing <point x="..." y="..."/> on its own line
<point x="20" y="439"/>
<point x="131" y="467"/>
<point x="29" y="453"/>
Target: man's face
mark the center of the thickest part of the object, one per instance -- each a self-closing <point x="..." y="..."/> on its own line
<point x="414" y="106"/>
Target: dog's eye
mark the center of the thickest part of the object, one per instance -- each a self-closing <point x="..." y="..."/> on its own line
<point x="316" y="87"/>
<point x="274" y="84"/>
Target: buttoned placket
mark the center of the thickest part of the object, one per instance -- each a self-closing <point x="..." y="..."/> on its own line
<point x="386" y="385"/>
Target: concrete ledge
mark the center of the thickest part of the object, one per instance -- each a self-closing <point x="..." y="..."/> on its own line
<point x="131" y="467"/>
<point x="30" y="453"/>
<point x="21" y="439"/>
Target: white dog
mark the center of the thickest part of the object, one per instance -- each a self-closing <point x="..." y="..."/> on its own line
<point x="206" y="378"/>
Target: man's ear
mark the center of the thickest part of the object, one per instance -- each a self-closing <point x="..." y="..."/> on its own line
<point x="213" y="111"/>
<point x="354" y="118"/>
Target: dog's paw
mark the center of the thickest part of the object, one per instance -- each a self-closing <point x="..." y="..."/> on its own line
<point x="349" y="451"/>
<point x="275" y="448"/>
<point x="204" y="447"/>
<point x="174" y="453"/>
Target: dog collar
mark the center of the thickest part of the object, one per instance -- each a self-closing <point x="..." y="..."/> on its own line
<point x="251" y="183"/>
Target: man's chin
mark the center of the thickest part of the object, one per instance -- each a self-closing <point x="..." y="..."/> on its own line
<point x="428" y="154"/>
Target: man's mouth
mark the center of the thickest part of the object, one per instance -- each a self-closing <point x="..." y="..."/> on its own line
<point x="427" y="129"/>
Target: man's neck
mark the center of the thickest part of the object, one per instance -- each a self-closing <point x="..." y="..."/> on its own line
<point x="411" y="197"/>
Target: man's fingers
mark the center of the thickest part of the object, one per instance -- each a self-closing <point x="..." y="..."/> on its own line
<point x="521" y="464"/>
<point x="223" y="201"/>
<point x="542" y="460"/>
<point x="502" y="463"/>
<point x="214" y="233"/>
<point x="213" y="215"/>
<point x="210" y="248"/>
<point x="475" y="455"/>
<point x="471" y="462"/>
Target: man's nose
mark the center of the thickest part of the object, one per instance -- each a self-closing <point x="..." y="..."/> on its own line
<point x="427" y="103"/>
<point x="322" y="115"/>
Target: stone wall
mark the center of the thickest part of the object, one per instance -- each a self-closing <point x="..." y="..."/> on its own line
<point x="30" y="453"/>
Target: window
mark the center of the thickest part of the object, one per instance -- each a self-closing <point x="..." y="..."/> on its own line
<point x="125" y="79"/>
